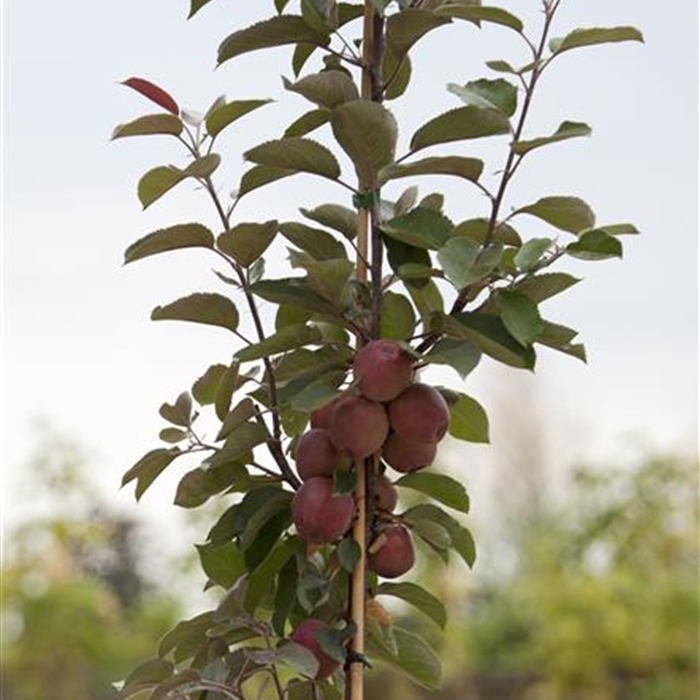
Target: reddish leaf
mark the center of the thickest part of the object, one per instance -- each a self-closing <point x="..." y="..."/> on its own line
<point x="154" y="93"/>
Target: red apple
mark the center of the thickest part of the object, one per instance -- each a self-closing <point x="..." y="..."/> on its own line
<point x="395" y="556"/>
<point x="358" y="426"/>
<point x="385" y="493"/>
<point x="420" y="413"/>
<point x="408" y="455"/>
<point x="320" y="515"/>
<point x="321" y="418"/>
<point x="306" y="634"/>
<point x="315" y="454"/>
<point x="383" y="369"/>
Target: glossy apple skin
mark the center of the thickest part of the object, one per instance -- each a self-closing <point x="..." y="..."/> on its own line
<point x="358" y="426"/>
<point x="315" y="454"/>
<point x="305" y="634"/>
<point x="386" y="494"/>
<point x="383" y="369"/>
<point x="320" y="515"/>
<point x="407" y="456"/>
<point x="396" y="556"/>
<point x="419" y="413"/>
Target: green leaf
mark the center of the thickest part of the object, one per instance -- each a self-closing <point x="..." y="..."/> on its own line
<point x="319" y="244"/>
<point x="186" y="638"/>
<point x="531" y="253"/>
<point x="208" y="308"/>
<point x="396" y="74"/>
<point x="491" y="335"/>
<point x="274" y="505"/>
<point x="404" y="29"/>
<point x="246" y="242"/>
<point x="308" y="122"/>
<point x="241" y="413"/>
<point x="292" y="291"/>
<point x="202" y="168"/>
<point x="441" y="487"/>
<point x="349" y="553"/>
<point x="501" y="67"/>
<point x="171" y="238"/>
<point x="398" y="319"/>
<point x="566" y="213"/>
<point x="221" y="117"/>
<point x="478" y="14"/>
<point x="457" y="257"/>
<point x="566" y="130"/>
<point x="239" y="443"/>
<point x="466" y="262"/>
<point x="541" y="287"/>
<point x="259" y="176"/>
<point x="336" y="217"/>
<point x="410" y="654"/>
<point x="260" y="580"/>
<point x="477" y="230"/>
<point x="462" y="541"/>
<point x="179" y="413"/>
<point x="467" y="168"/>
<point x="149" y="467"/>
<point x="301" y="660"/>
<point x="222" y="563"/>
<point x="296" y="154"/>
<point x="147" y="675"/>
<point x="458" y="124"/>
<point x="418" y="597"/>
<point x="156" y="182"/>
<point x="289" y="338"/>
<point x="367" y="132"/>
<point x="316" y="393"/>
<point x="152" y="124"/>
<point x="488" y="94"/>
<point x="224" y="390"/>
<point x="327" y="89"/>
<point x="196" y="6"/>
<point x="462" y="355"/>
<point x="468" y="420"/>
<point x="519" y="315"/>
<point x="204" y="389"/>
<point x="595" y="244"/>
<point x="559" y="338"/>
<point x="596" y="35"/>
<point x="620" y="229"/>
<point x="420" y="227"/>
<point x="330" y="278"/>
<point x="277" y="31"/>
<point x="172" y="435"/>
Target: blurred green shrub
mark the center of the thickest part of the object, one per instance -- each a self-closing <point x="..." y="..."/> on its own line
<point x="77" y="610"/>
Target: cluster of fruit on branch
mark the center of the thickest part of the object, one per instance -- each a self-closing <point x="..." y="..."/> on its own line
<point x="390" y="414"/>
<point x="387" y="413"/>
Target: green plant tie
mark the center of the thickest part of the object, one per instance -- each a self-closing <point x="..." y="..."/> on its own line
<point x="366" y="200"/>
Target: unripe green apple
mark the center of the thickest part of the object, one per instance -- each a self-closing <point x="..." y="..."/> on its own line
<point x="419" y="413"/>
<point x="383" y="369"/>
<point x="320" y="515"/>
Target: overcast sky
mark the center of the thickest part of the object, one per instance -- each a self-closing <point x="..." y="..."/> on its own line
<point x="78" y="348"/>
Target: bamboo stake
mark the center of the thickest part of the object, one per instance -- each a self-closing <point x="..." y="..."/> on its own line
<point x="359" y="576"/>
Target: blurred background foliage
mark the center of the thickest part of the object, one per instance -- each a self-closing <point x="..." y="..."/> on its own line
<point x="595" y="598"/>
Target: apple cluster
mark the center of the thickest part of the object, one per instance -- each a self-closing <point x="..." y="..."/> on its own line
<point x="391" y="414"/>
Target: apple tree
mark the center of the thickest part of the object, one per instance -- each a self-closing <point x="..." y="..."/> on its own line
<point x="321" y="415"/>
